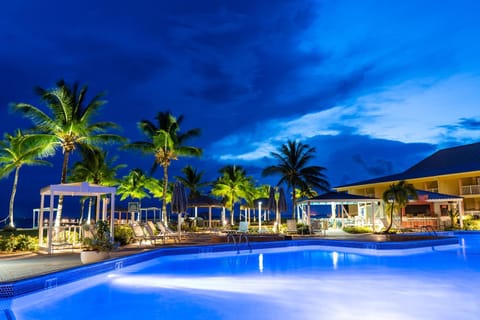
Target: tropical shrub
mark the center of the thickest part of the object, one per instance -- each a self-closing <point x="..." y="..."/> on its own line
<point x="11" y="242"/>
<point x="123" y="234"/>
<point x="353" y="229"/>
<point x="26" y="243"/>
<point x="471" y="223"/>
<point x="99" y="240"/>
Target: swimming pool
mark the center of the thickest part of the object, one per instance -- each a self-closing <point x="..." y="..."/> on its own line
<point x="289" y="283"/>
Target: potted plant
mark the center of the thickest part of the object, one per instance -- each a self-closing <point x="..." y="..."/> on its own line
<point x="97" y="242"/>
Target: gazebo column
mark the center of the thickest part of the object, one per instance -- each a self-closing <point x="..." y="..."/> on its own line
<point x="104" y="208"/>
<point x="112" y="212"/>
<point x="372" y="205"/>
<point x="309" y="218"/>
<point x="209" y="217"/>
<point x="196" y="216"/>
<point x="50" y="225"/>
<point x="40" y="221"/>
<point x="97" y="208"/>
<point x="460" y="213"/>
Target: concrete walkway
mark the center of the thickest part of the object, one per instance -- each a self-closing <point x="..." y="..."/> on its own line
<point x="22" y="266"/>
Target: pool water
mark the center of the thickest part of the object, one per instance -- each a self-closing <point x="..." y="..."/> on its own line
<point x="290" y="283"/>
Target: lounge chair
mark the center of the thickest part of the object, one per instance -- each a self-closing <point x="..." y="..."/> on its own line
<point x="139" y="234"/>
<point x="167" y="232"/>
<point x="243" y="227"/>
<point x="291" y="226"/>
<point x="150" y="229"/>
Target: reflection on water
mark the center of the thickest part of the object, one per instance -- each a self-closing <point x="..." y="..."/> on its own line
<point x="308" y="284"/>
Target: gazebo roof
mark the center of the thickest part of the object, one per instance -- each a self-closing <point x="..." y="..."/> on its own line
<point x="77" y="189"/>
<point x="339" y="197"/>
<point x="205" y="202"/>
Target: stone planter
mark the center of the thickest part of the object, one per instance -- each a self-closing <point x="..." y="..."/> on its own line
<point x="93" y="256"/>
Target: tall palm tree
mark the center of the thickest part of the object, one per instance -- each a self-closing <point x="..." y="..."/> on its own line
<point x="192" y="179"/>
<point x="166" y="143"/>
<point x="233" y="185"/>
<point x="397" y="195"/>
<point x="19" y="150"/>
<point x="69" y="120"/>
<point x="293" y="158"/>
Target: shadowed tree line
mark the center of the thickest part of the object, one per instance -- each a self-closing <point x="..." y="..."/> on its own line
<point x="65" y="121"/>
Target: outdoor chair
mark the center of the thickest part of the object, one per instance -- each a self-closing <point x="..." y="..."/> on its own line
<point x="291" y="226"/>
<point x="243" y="227"/>
<point x="167" y="232"/>
<point x="139" y="234"/>
<point x="149" y="227"/>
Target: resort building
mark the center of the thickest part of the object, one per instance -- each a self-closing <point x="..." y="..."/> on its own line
<point x="447" y="182"/>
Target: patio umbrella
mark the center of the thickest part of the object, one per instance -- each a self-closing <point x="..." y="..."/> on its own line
<point x="281" y="206"/>
<point x="282" y="201"/>
<point x="272" y="204"/>
<point x="179" y="202"/>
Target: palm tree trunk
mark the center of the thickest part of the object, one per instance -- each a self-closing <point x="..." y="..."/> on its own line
<point x="164" y="197"/>
<point x="12" y="197"/>
<point x="391" y="219"/>
<point x="63" y="179"/>
<point x="294" y="200"/>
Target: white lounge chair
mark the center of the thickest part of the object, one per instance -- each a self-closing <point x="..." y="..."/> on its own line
<point x="291" y="226"/>
<point x="243" y="227"/>
<point x="167" y="232"/>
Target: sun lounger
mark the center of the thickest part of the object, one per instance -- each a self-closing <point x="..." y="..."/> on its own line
<point x="150" y="229"/>
<point x="167" y="232"/>
<point x="139" y="234"/>
<point x="243" y="227"/>
<point x="291" y="226"/>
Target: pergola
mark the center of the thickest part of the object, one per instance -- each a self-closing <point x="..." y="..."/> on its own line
<point x="341" y="199"/>
<point x="205" y="202"/>
<point x="73" y="189"/>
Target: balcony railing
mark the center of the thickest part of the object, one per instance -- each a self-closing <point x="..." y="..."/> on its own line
<point x="471" y="189"/>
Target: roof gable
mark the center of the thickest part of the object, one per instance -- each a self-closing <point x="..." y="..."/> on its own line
<point x="446" y="161"/>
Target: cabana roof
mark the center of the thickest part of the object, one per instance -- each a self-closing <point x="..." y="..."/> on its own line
<point x="204" y="202"/>
<point x="77" y="189"/>
<point x="338" y="197"/>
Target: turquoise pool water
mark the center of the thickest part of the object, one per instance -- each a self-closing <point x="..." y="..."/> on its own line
<point x="290" y="283"/>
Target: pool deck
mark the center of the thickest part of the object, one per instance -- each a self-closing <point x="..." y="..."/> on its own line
<point x="14" y="267"/>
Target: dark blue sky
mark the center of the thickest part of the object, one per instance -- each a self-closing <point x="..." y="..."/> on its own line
<point x="374" y="85"/>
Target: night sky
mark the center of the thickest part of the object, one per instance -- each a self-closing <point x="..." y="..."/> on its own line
<point x="374" y="86"/>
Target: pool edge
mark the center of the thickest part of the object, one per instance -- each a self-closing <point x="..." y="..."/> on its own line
<point x="21" y="287"/>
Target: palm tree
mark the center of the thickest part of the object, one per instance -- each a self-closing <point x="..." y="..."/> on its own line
<point x="19" y="150"/>
<point x="255" y="194"/>
<point x="192" y="179"/>
<point x="166" y="143"/>
<point x="293" y="158"/>
<point x="233" y="185"/>
<point x="95" y="167"/>
<point x="135" y="185"/>
<point x="305" y="193"/>
<point x="70" y="121"/>
<point x="397" y="195"/>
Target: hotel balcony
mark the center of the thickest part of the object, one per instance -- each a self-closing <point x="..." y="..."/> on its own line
<point x="471" y="189"/>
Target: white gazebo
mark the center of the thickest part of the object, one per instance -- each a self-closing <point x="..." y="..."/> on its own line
<point x="73" y="189"/>
<point x="370" y="206"/>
